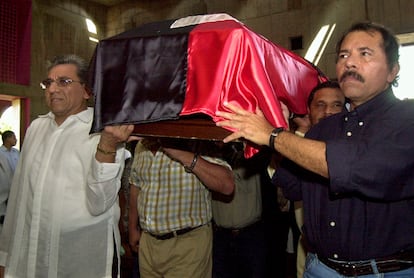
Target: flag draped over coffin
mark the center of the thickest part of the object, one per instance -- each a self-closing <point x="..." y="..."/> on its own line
<point x="164" y="70"/>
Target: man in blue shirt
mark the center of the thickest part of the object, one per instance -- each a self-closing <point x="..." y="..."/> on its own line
<point x="8" y="149"/>
<point x="5" y="182"/>
<point x="357" y="175"/>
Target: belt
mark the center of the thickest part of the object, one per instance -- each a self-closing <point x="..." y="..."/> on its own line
<point x="173" y="233"/>
<point x="237" y="231"/>
<point x="393" y="263"/>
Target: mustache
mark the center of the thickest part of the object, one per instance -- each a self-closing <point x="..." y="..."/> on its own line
<point x="352" y="74"/>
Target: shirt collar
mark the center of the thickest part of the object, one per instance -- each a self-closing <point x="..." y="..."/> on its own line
<point x="377" y="103"/>
<point x="84" y="116"/>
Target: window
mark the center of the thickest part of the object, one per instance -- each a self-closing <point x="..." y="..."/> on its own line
<point x="296" y="43"/>
<point x="319" y="43"/>
<point x="404" y="89"/>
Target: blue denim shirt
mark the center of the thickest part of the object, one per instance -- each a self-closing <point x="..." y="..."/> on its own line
<point x="365" y="210"/>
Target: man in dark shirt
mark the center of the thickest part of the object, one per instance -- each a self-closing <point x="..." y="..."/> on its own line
<point x="357" y="180"/>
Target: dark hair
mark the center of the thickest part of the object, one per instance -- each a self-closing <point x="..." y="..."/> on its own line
<point x="390" y="42"/>
<point x="326" y="84"/>
<point x="81" y="65"/>
<point x="6" y="134"/>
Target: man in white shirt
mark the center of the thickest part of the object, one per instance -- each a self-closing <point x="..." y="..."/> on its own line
<point x="62" y="216"/>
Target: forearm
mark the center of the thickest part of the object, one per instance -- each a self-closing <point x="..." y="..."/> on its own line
<point x="310" y="154"/>
<point x="105" y="152"/>
<point x="216" y="177"/>
<point x="254" y="127"/>
<point x="104" y="182"/>
<point x="133" y="217"/>
<point x="134" y="231"/>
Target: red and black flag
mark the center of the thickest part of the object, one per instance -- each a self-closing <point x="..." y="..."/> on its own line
<point x="170" y="69"/>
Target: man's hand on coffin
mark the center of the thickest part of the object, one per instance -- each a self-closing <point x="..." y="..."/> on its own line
<point x="250" y="126"/>
<point x="111" y="136"/>
<point x="303" y="124"/>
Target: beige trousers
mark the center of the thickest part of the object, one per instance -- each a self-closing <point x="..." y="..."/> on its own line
<point x="187" y="255"/>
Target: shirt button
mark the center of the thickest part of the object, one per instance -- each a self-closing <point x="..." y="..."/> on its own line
<point x="361" y="123"/>
<point x="346" y="119"/>
<point x="332" y="224"/>
<point x="349" y="134"/>
<point x="335" y="256"/>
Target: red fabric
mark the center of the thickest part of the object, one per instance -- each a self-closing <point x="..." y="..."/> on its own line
<point x="227" y="62"/>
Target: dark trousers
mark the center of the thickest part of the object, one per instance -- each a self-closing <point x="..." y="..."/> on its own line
<point x="239" y="253"/>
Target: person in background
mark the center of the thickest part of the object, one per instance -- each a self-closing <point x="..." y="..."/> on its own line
<point x="357" y="178"/>
<point x="170" y="206"/>
<point x="9" y="141"/>
<point x="324" y="100"/>
<point x="129" y="259"/>
<point x="6" y="175"/>
<point x="62" y="215"/>
<point x="239" y="242"/>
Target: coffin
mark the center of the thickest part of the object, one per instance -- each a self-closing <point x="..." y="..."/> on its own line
<point x="169" y="78"/>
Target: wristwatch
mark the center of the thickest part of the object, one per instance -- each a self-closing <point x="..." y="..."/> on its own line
<point x="273" y="135"/>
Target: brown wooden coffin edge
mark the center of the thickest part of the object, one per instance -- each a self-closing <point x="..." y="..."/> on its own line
<point x="188" y="128"/>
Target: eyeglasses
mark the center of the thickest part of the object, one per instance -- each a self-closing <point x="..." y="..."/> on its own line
<point x="61" y="82"/>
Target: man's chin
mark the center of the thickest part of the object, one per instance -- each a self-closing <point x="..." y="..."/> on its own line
<point x="351" y="89"/>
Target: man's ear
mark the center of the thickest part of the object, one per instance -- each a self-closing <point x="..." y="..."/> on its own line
<point x="88" y="92"/>
<point x="393" y="73"/>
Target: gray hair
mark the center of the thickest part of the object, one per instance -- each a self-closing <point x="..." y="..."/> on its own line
<point x="81" y="65"/>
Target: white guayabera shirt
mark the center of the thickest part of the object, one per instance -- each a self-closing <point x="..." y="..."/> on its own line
<point x="63" y="210"/>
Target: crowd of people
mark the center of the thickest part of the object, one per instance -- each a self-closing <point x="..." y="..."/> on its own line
<point x="201" y="209"/>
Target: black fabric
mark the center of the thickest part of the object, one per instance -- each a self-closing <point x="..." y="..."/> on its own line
<point x="139" y="76"/>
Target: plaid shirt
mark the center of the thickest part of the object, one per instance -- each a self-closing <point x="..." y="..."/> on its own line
<point x="169" y="199"/>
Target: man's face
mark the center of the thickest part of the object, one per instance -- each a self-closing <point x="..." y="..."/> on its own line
<point x="13" y="140"/>
<point x="326" y="102"/>
<point x="362" y="68"/>
<point x="67" y="100"/>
